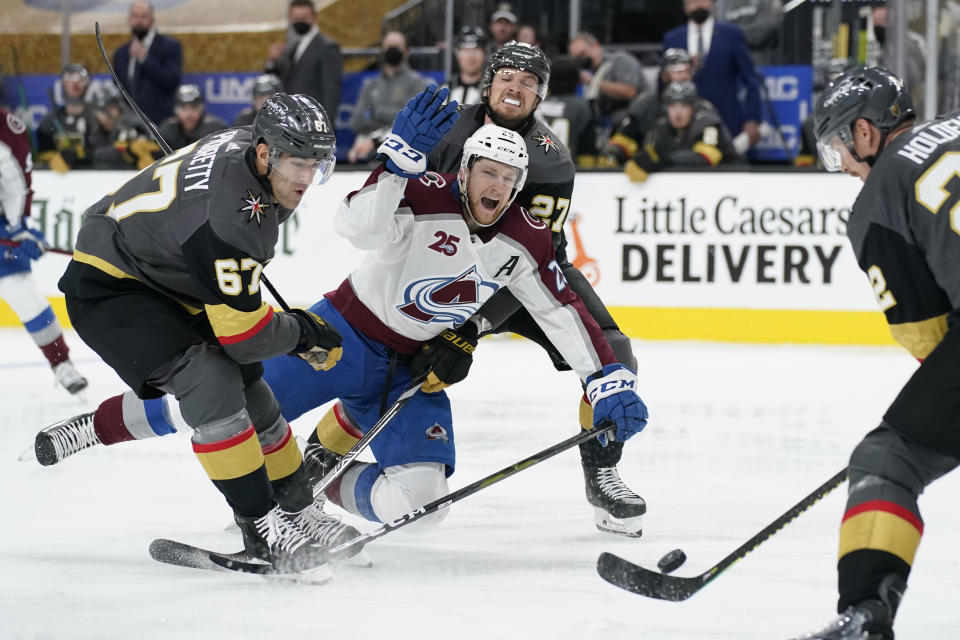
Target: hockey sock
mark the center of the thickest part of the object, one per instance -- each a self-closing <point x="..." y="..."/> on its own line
<point x="336" y="431"/>
<point x="592" y="453"/>
<point x="236" y="467"/>
<point x="126" y="417"/>
<point x="878" y="537"/>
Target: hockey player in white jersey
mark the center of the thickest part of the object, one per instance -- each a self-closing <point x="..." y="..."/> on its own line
<point x="440" y="245"/>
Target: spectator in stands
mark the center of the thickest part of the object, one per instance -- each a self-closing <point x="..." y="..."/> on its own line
<point x="64" y="134"/>
<point x="108" y="108"/>
<point x="190" y="121"/>
<point x="502" y="27"/>
<point x="723" y="67"/>
<point x="470" y="51"/>
<point x="308" y="62"/>
<point x="150" y="64"/>
<point x="611" y="79"/>
<point x="528" y="33"/>
<point x="646" y="109"/>
<point x="383" y="96"/>
<point x="915" y="56"/>
<point x="689" y="136"/>
<point x="570" y="116"/>
<point x="120" y="140"/>
<point x="760" y="21"/>
<point x="264" y="86"/>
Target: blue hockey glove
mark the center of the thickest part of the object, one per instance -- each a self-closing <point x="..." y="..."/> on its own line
<point x="612" y="392"/>
<point x="417" y="130"/>
<point x="32" y="243"/>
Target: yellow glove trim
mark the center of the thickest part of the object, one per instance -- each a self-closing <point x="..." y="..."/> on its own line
<point x="635" y="172"/>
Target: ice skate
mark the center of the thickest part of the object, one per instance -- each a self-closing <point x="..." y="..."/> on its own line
<point x="65" y="438"/>
<point x="329" y="531"/>
<point x="274" y="538"/>
<point x="318" y="461"/>
<point x="617" y="509"/>
<point x="69" y="378"/>
<point x="866" y="620"/>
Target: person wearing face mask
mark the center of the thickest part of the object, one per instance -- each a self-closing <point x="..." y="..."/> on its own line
<point x="150" y="64"/>
<point x="308" y="62"/>
<point x="723" y="67"/>
<point x="383" y="96"/>
<point x="611" y="79"/>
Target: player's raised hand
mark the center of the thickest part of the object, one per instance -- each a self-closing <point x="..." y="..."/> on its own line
<point x="416" y="131"/>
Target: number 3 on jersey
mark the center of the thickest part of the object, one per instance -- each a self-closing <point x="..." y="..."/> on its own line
<point x="547" y="206"/>
<point x="229" y="275"/>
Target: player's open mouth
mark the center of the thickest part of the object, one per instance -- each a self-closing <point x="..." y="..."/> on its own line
<point x="512" y="102"/>
<point x="489" y="203"/>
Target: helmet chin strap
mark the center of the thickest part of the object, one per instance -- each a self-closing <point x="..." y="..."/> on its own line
<point x="872" y="158"/>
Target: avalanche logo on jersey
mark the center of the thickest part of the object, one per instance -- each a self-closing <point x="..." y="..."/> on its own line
<point x="436" y="432"/>
<point x="545" y="141"/>
<point x="254" y="206"/>
<point x="446" y="300"/>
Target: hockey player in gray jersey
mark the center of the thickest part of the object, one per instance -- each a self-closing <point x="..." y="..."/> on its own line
<point x="515" y="82"/>
<point x="905" y="235"/>
<point x="165" y="286"/>
<point x="689" y="135"/>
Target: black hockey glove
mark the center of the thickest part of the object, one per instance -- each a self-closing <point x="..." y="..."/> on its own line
<point x="319" y="342"/>
<point x="446" y="359"/>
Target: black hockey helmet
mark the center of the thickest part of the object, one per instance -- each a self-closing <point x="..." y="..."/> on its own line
<point x="522" y="56"/>
<point x="107" y="95"/>
<point x="188" y="94"/>
<point x="297" y="124"/>
<point x="680" y="92"/>
<point x="874" y="94"/>
<point x="470" y="38"/>
<point x="674" y="57"/>
<point x="266" y="84"/>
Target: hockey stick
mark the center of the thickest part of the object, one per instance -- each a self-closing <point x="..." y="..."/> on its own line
<point x="152" y="128"/>
<point x="653" y="584"/>
<point x="469" y="490"/>
<point x="358" y="448"/>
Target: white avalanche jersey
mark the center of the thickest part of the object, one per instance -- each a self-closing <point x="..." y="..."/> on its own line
<point x="425" y="272"/>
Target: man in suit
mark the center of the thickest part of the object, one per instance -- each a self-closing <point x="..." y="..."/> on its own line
<point x="150" y="64"/>
<point x="309" y="62"/>
<point x="723" y="67"/>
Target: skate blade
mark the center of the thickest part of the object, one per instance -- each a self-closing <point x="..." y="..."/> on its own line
<point x="630" y="527"/>
<point x="317" y="575"/>
<point x="360" y="559"/>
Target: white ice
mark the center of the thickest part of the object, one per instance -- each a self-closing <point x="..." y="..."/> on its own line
<point x="738" y="434"/>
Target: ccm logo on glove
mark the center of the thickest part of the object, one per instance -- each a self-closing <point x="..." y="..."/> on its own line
<point x="615" y="382"/>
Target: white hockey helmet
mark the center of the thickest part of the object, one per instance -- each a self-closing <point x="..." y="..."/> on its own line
<point x="500" y="145"/>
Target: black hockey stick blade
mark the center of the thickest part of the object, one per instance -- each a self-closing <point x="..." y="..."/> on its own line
<point x="653" y="584"/>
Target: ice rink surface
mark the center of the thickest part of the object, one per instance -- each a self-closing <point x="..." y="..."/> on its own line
<point x="738" y="434"/>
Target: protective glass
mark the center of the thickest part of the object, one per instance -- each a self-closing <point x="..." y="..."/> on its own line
<point x="831" y="147"/>
<point x="299" y="170"/>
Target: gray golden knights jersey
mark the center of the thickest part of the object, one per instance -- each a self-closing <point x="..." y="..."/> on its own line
<point x="550" y="174"/>
<point x="905" y="232"/>
<point x="197" y="226"/>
